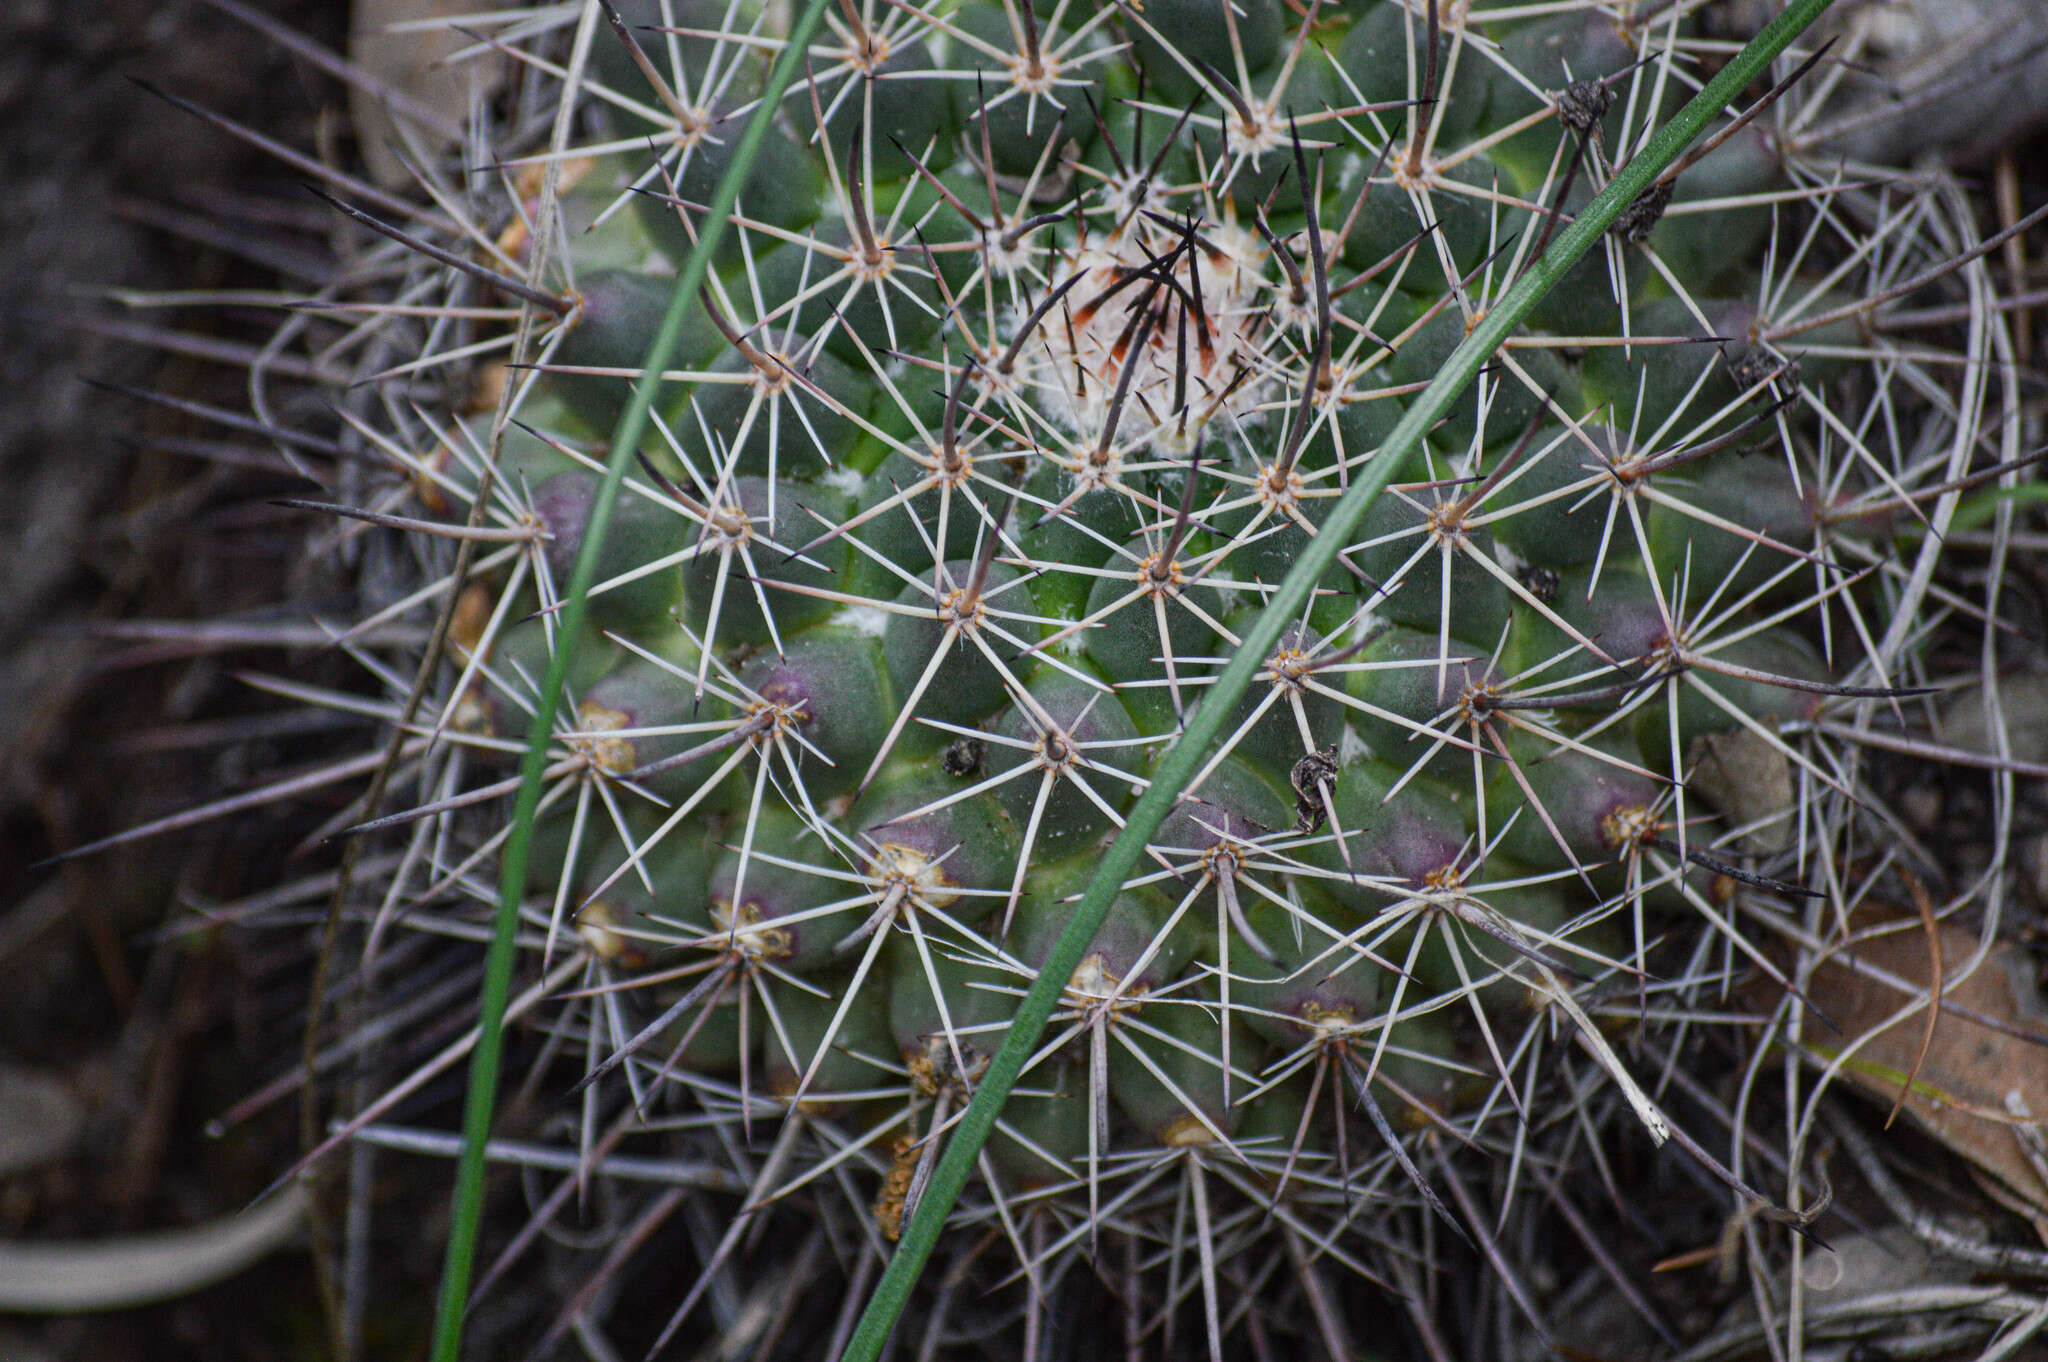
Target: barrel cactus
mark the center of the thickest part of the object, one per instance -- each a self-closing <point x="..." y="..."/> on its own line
<point x="1042" y="339"/>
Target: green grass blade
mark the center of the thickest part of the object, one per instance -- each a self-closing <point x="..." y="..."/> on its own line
<point x="1981" y="509"/>
<point x="1206" y="723"/>
<point x="481" y="1100"/>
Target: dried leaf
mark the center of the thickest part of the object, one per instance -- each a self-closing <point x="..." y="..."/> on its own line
<point x="1991" y="1042"/>
<point x="413" y="64"/>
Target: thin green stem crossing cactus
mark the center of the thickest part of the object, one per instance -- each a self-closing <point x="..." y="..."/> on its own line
<point x="1191" y="749"/>
<point x="485" y="1060"/>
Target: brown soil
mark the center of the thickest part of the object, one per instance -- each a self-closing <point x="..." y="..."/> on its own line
<point x="103" y="184"/>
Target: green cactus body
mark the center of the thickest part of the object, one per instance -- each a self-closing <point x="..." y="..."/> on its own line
<point x="1000" y="418"/>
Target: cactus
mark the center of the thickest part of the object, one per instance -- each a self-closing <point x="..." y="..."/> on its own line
<point x="1043" y="339"/>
